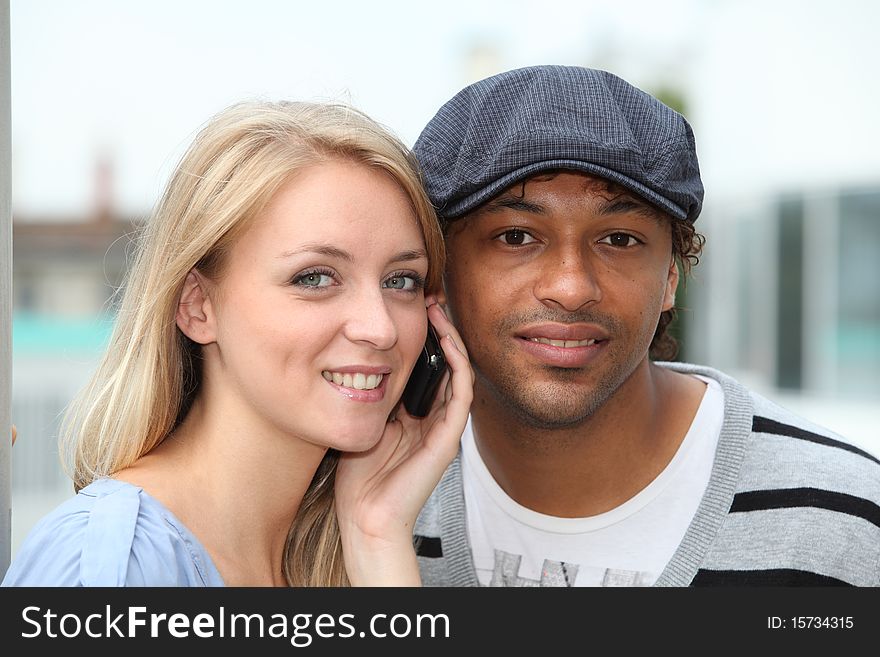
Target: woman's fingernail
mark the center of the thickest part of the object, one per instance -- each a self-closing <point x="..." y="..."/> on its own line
<point x="452" y="340"/>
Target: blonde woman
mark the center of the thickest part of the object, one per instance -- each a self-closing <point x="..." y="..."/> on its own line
<point x="269" y="323"/>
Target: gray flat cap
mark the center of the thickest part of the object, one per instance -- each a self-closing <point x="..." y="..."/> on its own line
<point x="510" y="126"/>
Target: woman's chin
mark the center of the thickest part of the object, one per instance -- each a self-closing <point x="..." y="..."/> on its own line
<point x="357" y="437"/>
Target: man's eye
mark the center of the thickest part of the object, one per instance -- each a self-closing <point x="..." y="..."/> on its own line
<point x="619" y="239"/>
<point x="516" y="237"/>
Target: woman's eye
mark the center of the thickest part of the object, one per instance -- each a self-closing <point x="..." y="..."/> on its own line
<point x="403" y="282"/>
<point x="313" y="279"/>
<point x="619" y="239"/>
<point x="516" y="237"/>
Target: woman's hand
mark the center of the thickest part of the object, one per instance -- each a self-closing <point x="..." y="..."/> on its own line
<point x="380" y="492"/>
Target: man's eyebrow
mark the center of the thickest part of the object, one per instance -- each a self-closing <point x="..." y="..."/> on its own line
<point x="620" y="204"/>
<point x="335" y="252"/>
<point x="624" y="204"/>
<point x="510" y="202"/>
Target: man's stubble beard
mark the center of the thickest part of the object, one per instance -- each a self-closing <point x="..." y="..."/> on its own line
<point x="555" y="404"/>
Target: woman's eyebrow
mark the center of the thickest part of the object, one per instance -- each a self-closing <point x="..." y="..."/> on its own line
<point x="332" y="251"/>
<point x="322" y="249"/>
<point x="409" y="255"/>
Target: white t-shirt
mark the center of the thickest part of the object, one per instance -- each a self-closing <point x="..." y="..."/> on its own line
<point x="626" y="546"/>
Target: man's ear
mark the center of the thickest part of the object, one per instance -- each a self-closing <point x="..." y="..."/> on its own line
<point x="671" y="286"/>
<point x="195" y="313"/>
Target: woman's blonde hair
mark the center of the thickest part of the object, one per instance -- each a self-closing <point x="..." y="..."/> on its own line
<point x="149" y="374"/>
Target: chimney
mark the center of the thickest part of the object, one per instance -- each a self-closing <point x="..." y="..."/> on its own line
<point x="103" y="212"/>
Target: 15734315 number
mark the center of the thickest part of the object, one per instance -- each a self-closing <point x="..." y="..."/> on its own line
<point x="821" y="622"/>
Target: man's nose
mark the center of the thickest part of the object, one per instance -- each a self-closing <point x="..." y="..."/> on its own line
<point x="568" y="280"/>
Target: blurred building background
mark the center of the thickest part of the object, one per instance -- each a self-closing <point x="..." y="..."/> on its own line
<point x="781" y="96"/>
<point x="65" y="272"/>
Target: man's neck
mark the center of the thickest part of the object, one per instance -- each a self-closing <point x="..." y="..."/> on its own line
<point x="602" y="461"/>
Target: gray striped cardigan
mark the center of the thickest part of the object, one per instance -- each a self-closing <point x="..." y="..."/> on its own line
<point x="788" y="503"/>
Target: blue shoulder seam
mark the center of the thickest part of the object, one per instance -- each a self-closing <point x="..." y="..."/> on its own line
<point x="109" y="537"/>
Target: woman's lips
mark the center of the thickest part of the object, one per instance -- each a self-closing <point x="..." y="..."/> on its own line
<point x="362" y="385"/>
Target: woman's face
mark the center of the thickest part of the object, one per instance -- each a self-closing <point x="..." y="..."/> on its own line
<point x="320" y="311"/>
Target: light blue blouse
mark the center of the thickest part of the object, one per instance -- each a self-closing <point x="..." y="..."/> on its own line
<point x="111" y="534"/>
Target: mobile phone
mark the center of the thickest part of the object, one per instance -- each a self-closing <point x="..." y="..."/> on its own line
<point x="425" y="378"/>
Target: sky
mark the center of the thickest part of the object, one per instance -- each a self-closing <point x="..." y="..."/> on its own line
<point x="133" y="81"/>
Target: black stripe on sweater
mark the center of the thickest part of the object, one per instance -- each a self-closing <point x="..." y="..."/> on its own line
<point x="787" y="498"/>
<point x="427" y="546"/>
<point x="772" y="577"/>
<point x="766" y="425"/>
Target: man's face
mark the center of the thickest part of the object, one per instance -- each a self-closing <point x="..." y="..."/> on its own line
<point x="556" y="287"/>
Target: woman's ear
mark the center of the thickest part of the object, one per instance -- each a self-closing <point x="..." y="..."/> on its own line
<point x="195" y="313"/>
<point x="442" y="299"/>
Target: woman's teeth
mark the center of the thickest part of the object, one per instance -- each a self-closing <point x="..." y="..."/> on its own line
<point x="358" y="381"/>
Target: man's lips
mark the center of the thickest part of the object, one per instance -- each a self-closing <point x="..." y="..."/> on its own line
<point x="563" y="332"/>
<point x="563" y="345"/>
